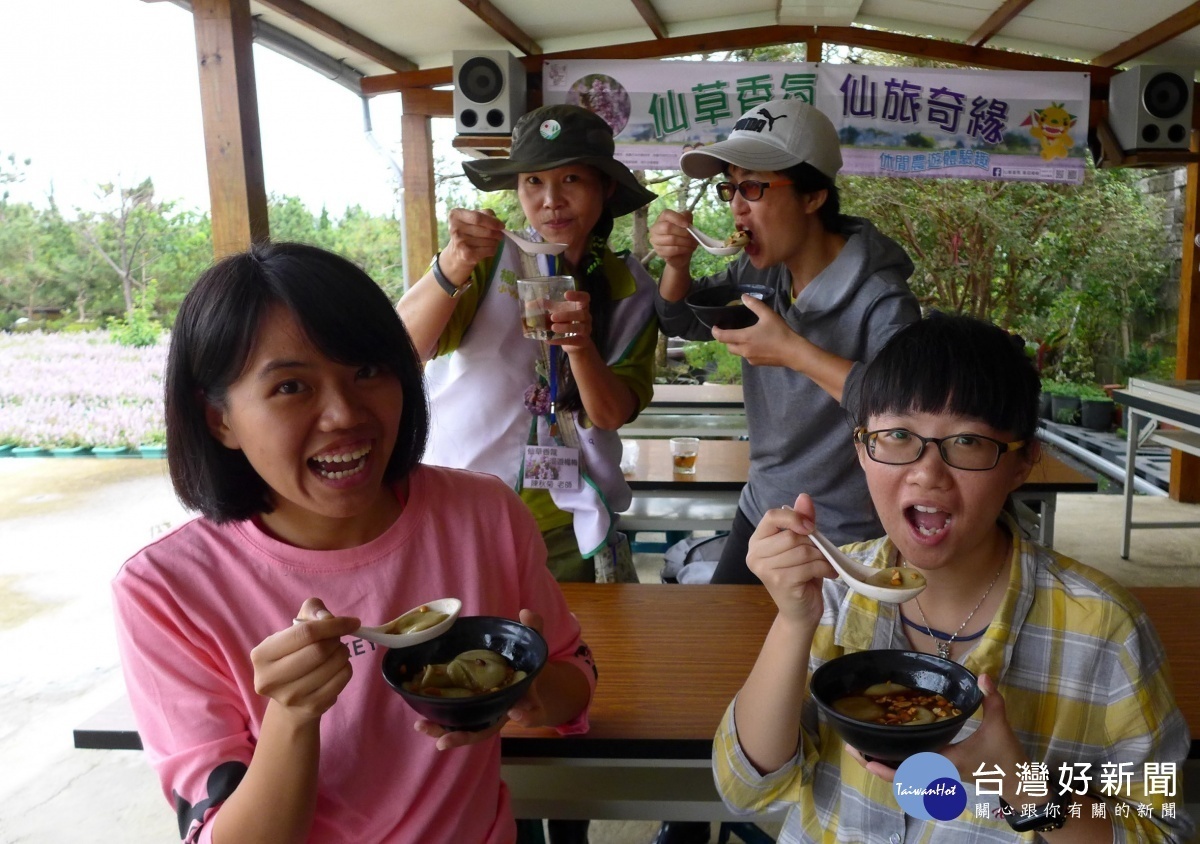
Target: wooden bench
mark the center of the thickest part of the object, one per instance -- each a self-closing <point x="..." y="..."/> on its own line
<point x="722" y="423"/>
<point x="679" y="512"/>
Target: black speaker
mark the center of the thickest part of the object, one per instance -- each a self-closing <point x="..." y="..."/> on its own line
<point x="489" y="92"/>
<point x="1150" y="107"/>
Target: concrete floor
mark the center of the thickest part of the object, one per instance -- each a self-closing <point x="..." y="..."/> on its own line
<point x="66" y="525"/>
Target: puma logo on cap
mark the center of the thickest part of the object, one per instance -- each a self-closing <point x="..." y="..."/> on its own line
<point x="751" y="123"/>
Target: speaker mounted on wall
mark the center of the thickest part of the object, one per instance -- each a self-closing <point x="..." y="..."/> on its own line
<point x="489" y="91"/>
<point x="1150" y="107"/>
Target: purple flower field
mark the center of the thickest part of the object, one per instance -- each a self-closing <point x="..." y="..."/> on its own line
<point x="66" y="390"/>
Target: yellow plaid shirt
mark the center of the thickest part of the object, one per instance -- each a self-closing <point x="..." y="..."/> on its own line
<point x="1084" y="679"/>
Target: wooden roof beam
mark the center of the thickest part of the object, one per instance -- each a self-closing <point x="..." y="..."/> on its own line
<point x="1177" y="24"/>
<point x="996" y="22"/>
<point x="497" y="20"/>
<point x="956" y="53"/>
<point x="333" y="29"/>
<point x="763" y="36"/>
<point x="649" y="14"/>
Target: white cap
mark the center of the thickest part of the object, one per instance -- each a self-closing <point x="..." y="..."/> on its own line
<point x="772" y="136"/>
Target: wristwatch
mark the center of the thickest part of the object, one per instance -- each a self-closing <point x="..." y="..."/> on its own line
<point x="1045" y="818"/>
<point x="443" y="282"/>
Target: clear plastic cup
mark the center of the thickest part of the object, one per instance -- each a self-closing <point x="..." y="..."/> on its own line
<point x="684" y="451"/>
<point x="541" y="297"/>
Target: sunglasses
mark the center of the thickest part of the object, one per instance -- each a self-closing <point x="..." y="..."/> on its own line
<point x="751" y="190"/>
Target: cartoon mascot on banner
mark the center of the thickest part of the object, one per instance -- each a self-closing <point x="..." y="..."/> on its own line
<point x="1050" y="126"/>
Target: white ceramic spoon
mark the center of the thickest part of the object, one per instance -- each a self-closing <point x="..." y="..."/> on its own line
<point x="534" y="248"/>
<point x="711" y="244"/>
<point x="858" y="577"/>
<point x="379" y="635"/>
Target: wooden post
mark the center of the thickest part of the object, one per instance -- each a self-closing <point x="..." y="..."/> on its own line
<point x="231" y="136"/>
<point x="420" y="199"/>
<point x="1185" y="468"/>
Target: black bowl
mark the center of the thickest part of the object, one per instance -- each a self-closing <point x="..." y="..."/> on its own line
<point x="711" y="305"/>
<point x="854" y="672"/>
<point x="523" y="646"/>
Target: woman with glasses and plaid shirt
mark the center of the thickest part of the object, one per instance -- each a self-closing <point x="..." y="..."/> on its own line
<point x="1073" y="674"/>
<point x="840" y="292"/>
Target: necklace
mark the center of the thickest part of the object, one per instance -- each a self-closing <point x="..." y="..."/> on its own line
<point x="944" y="641"/>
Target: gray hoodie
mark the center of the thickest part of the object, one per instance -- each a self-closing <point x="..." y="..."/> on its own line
<point x="799" y="436"/>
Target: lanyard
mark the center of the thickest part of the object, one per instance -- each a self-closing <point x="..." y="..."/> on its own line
<point x="555" y="351"/>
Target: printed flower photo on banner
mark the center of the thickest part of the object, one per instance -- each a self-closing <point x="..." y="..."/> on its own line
<point x="603" y="95"/>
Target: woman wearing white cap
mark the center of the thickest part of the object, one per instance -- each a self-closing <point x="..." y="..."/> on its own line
<point x="840" y="292"/>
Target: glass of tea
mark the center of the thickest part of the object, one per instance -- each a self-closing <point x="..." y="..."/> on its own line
<point x="684" y="451"/>
<point x="540" y="297"/>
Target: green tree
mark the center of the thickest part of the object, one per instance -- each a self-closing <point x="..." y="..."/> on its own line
<point x="1032" y="257"/>
<point x="12" y="171"/>
<point x="289" y="219"/>
<point x="127" y="234"/>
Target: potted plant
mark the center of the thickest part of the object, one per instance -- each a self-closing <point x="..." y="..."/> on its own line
<point x="1045" y="410"/>
<point x="1064" y="402"/>
<point x="154" y="445"/>
<point x="1095" y="409"/>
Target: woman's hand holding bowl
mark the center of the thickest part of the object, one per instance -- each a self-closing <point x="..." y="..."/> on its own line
<point x="527" y="712"/>
<point x="766" y="343"/>
<point x="993" y="745"/>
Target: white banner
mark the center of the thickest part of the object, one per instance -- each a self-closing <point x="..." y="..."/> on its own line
<point x="914" y="122"/>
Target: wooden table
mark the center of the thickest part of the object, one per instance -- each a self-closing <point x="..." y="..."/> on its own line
<point x="707" y="500"/>
<point x="721" y="466"/>
<point x="670" y="659"/>
<point x="1049" y="477"/>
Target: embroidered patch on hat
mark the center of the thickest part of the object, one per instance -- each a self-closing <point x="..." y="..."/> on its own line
<point x="550" y="129"/>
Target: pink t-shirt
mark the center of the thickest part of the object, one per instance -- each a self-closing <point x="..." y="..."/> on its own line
<point x="192" y="605"/>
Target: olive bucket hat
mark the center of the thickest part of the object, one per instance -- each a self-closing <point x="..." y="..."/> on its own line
<point x="555" y="136"/>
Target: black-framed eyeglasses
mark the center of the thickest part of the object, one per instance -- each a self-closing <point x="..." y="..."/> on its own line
<point x="899" y="446"/>
<point x="750" y="189"/>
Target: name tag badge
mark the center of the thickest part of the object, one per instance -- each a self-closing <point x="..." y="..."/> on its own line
<point x="551" y="467"/>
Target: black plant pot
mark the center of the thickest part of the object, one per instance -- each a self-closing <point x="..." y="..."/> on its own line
<point x="1065" y="409"/>
<point x="1096" y="415"/>
<point x="1044" y="406"/>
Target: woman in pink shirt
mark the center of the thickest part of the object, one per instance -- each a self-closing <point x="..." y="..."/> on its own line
<point x="296" y="419"/>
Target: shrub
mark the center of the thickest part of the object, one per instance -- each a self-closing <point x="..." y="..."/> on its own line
<point x="139" y="328"/>
<point x="722" y="366"/>
<point x="1091" y="392"/>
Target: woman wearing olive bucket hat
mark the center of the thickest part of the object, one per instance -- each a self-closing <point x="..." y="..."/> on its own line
<point x="490" y="388"/>
<point x="489" y="385"/>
